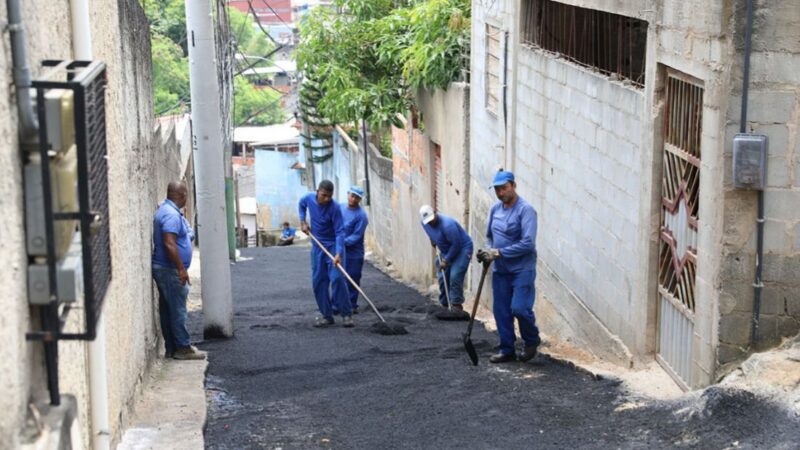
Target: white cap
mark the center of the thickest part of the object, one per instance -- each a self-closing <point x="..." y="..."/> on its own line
<point x="426" y="214"/>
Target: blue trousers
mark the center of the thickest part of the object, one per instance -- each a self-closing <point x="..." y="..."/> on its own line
<point x="172" y="308"/>
<point x="513" y="298"/>
<point x="354" y="266"/>
<point x="454" y="272"/>
<point x="330" y="287"/>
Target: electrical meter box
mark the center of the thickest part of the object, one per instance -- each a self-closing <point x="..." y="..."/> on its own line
<point x="750" y="161"/>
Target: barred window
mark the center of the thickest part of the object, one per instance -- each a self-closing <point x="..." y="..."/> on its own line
<point x="493" y="69"/>
<point x="609" y="43"/>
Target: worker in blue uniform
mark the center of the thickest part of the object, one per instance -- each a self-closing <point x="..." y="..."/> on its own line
<point x="287" y="235"/>
<point x="511" y="237"/>
<point x="455" y="248"/>
<point x="330" y="288"/>
<point x="355" y="224"/>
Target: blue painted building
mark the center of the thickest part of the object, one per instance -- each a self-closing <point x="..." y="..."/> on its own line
<point x="279" y="186"/>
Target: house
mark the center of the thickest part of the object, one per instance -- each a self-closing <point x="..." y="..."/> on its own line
<point x="618" y="119"/>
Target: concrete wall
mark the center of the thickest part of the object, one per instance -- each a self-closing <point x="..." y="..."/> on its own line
<point x="412" y="255"/>
<point x="577" y="159"/>
<point x="773" y="110"/>
<point x="136" y="173"/>
<point x="488" y="129"/>
<point x="278" y="188"/>
<point x="445" y="121"/>
<point x="381" y="229"/>
<point x="587" y="151"/>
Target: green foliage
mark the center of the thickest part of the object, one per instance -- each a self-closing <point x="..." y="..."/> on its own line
<point x="250" y="41"/>
<point x="367" y="61"/>
<point x="438" y="50"/>
<point x="255" y="106"/>
<point x="170" y="74"/>
<point x="167" y="18"/>
<point x="171" y="93"/>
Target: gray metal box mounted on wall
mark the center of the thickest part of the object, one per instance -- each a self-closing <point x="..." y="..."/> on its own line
<point x="750" y="161"/>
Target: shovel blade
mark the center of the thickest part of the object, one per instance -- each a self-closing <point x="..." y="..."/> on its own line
<point x="470" y="348"/>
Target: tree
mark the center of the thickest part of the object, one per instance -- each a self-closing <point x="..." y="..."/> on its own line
<point x="255" y="106"/>
<point x="368" y="59"/>
<point x="170" y="74"/>
<point x="250" y="41"/>
<point x="171" y="91"/>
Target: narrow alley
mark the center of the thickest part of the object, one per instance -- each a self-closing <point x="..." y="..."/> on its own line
<point x="280" y="383"/>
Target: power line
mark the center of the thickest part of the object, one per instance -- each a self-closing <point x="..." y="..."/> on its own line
<point x="250" y="3"/>
<point x="181" y="101"/>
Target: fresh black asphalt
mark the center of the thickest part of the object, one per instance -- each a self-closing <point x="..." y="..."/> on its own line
<point x="280" y="383"/>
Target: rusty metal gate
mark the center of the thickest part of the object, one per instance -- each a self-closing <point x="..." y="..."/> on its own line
<point x="677" y="265"/>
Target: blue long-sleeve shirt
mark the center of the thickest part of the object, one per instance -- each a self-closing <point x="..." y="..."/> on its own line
<point x="355" y="224"/>
<point x="326" y="221"/>
<point x="449" y="237"/>
<point x="513" y="232"/>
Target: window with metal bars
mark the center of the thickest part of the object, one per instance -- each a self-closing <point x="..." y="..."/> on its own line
<point x="493" y="68"/>
<point x="610" y="43"/>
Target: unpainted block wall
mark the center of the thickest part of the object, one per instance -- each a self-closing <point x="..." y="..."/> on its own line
<point x="773" y="110"/>
<point x="578" y="161"/>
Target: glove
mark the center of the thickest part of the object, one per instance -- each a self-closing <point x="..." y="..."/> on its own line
<point x="487" y="255"/>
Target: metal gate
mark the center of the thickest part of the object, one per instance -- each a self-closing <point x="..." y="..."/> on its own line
<point x="677" y="265"/>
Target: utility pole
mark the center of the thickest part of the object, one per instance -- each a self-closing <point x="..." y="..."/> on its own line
<point x="209" y="166"/>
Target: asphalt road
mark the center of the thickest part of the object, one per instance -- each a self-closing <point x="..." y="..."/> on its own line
<point x="280" y="383"/>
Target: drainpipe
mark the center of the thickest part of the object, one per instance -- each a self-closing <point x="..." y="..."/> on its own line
<point x="366" y="160"/>
<point x="29" y="133"/>
<point x="98" y="375"/>
<point x="757" y="284"/>
<point x="29" y="124"/>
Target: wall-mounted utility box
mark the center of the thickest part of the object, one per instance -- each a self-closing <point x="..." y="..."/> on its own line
<point x="66" y="182"/>
<point x="750" y="161"/>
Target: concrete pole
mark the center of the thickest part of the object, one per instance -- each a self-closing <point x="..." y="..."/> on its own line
<point x="239" y="227"/>
<point x="209" y="168"/>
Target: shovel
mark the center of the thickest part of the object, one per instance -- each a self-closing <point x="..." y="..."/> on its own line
<point x="451" y="314"/>
<point x="383" y="327"/>
<point x="468" y="345"/>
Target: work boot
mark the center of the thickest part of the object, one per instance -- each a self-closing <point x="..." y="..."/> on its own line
<point x="322" y="322"/>
<point x="529" y="353"/>
<point x="355" y="310"/>
<point x="458" y="307"/>
<point x="502" y="358"/>
<point x="347" y="322"/>
<point x="190" y="352"/>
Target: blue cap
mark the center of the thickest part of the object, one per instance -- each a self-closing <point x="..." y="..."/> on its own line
<point x="357" y="191"/>
<point x="502" y="177"/>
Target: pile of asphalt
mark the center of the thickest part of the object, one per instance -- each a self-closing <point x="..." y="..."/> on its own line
<point x="280" y="383"/>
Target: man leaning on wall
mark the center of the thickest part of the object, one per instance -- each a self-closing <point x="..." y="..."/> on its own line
<point x="172" y="256"/>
